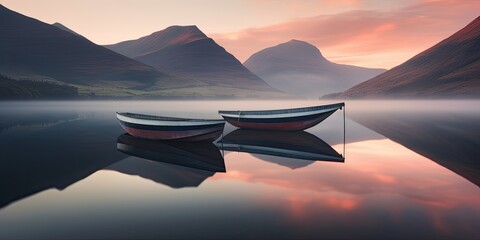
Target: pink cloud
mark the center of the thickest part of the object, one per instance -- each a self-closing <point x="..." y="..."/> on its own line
<point x="362" y="37"/>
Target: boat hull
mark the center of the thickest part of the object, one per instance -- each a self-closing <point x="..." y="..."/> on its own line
<point x="279" y="124"/>
<point x="293" y="119"/>
<point x="189" y="131"/>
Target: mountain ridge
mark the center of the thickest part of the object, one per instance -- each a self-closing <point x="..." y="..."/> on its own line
<point x="64" y="28"/>
<point x="158" y="40"/>
<point x="449" y="69"/>
<point x="186" y="51"/>
<point x="36" y="50"/>
<point x="299" y="67"/>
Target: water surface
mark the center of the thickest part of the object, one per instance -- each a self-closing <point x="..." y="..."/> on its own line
<point x="410" y="170"/>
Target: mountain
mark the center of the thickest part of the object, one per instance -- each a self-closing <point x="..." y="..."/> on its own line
<point x="451" y="140"/>
<point x="36" y="50"/>
<point x="55" y="152"/>
<point x="26" y="89"/>
<point x="299" y="68"/>
<point x="451" y="68"/>
<point x="64" y="28"/>
<point x="186" y="51"/>
<point x="174" y="176"/>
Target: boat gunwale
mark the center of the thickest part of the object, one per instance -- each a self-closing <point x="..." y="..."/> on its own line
<point x="282" y="111"/>
<point x="163" y="118"/>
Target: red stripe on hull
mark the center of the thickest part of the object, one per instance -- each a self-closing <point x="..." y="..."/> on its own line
<point x="197" y="135"/>
<point x="291" y="126"/>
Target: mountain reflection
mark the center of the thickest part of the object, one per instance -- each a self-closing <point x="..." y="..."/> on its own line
<point x="53" y="157"/>
<point x="449" y="139"/>
<point x="289" y="149"/>
<point x="176" y="164"/>
<point x="9" y="120"/>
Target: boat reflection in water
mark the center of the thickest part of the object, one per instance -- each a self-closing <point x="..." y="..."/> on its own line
<point x="283" y="148"/>
<point x="176" y="164"/>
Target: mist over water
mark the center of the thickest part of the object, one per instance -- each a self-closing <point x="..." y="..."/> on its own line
<point x="410" y="171"/>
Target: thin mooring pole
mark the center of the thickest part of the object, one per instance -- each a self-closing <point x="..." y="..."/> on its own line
<point x="344" y="131"/>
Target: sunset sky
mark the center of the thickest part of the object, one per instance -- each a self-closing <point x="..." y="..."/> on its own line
<point x="359" y="32"/>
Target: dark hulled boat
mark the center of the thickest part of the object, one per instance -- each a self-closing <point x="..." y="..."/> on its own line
<point x="282" y="119"/>
<point x="169" y="128"/>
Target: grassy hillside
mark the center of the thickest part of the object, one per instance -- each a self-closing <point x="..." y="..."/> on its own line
<point x="26" y="89"/>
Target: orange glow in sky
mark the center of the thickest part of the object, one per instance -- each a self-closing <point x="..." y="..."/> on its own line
<point x="366" y="33"/>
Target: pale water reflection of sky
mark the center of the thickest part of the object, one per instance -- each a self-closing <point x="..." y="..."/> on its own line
<point x="382" y="190"/>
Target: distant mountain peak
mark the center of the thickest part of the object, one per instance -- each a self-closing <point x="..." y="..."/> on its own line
<point x="64" y="28"/>
<point x="296" y="41"/>
<point x="189" y="29"/>
<point x="186" y="51"/>
<point x="294" y="49"/>
<point x="299" y="68"/>
<point x="186" y="27"/>
<point x="173" y="35"/>
<point x="57" y="24"/>
<point x="36" y="50"/>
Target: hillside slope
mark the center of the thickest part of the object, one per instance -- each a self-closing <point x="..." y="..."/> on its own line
<point x="299" y="68"/>
<point x="449" y="69"/>
<point x="36" y="50"/>
<point x="186" y="51"/>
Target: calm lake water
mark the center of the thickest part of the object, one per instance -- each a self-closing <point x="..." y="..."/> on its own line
<point x="411" y="170"/>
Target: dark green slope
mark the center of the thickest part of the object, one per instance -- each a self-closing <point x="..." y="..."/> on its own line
<point x="25" y="89"/>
